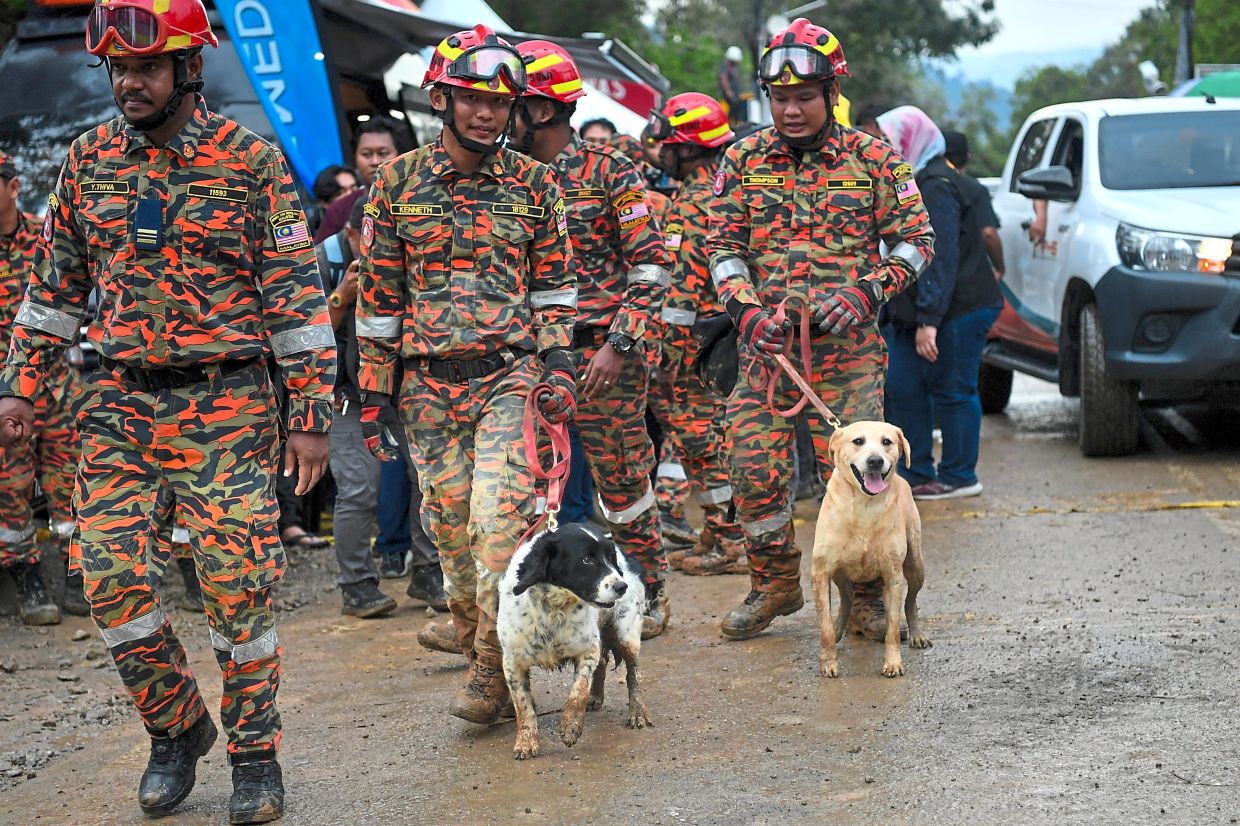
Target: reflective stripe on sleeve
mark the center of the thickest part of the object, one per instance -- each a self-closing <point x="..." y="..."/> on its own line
<point x="728" y="268"/>
<point x="52" y="322"/>
<point x="378" y="327"/>
<point x="679" y="318"/>
<point x="566" y="297"/>
<point x="8" y="536"/>
<point x="650" y="274"/>
<point x="310" y="337"/>
<point x="912" y="256"/>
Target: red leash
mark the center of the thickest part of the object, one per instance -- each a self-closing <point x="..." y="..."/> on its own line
<point x="561" y="449"/>
<point x="768" y="377"/>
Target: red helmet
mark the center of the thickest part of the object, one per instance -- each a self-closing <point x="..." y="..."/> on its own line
<point x="691" y="117"/>
<point x="121" y="28"/>
<point x="802" y="52"/>
<point x="551" y="72"/>
<point x="477" y="59"/>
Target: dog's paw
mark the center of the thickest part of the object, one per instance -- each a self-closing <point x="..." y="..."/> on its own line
<point x="570" y="732"/>
<point x="829" y="669"/>
<point x="639" y="719"/>
<point x="895" y="669"/>
<point x="920" y="641"/>
<point x="594" y="703"/>
<point x="527" y="746"/>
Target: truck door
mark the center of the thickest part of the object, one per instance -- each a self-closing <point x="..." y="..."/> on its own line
<point x="1015" y="212"/>
<point x="1046" y="274"/>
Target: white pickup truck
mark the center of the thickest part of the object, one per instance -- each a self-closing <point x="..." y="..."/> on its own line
<point x="1135" y="291"/>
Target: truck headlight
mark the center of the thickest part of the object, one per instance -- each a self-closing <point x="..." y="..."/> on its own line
<point x="1146" y="249"/>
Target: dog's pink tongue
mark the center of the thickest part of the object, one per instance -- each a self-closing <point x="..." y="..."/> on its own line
<point x="874" y="482"/>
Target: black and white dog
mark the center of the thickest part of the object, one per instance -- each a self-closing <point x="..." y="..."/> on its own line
<point x="569" y="595"/>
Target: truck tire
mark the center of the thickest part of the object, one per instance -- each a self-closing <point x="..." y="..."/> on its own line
<point x="1110" y="415"/>
<point x="994" y="387"/>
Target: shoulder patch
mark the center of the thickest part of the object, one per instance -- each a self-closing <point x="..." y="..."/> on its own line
<point x="48" y="223"/>
<point x="288" y="227"/>
<point x="902" y="170"/>
<point x="632" y="210"/>
<point x="53" y="202"/>
<point x="561" y="220"/>
<point x="720" y="178"/>
<point x="907" y="191"/>
<point x="671" y="235"/>
<point x="371" y="210"/>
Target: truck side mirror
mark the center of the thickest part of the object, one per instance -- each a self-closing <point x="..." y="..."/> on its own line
<point x="1053" y="183"/>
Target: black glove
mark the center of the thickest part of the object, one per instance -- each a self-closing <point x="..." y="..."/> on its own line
<point x="559" y="371"/>
<point x="760" y="331"/>
<point x="378" y="418"/>
<point x="846" y="308"/>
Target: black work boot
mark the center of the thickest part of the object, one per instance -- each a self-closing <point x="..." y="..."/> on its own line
<point x="191" y="600"/>
<point x="33" y="602"/>
<point x="426" y="584"/>
<point x="258" y="792"/>
<point x="364" y="599"/>
<point x="75" y="601"/>
<point x="169" y="774"/>
<point x="658" y="611"/>
<point x="758" y="610"/>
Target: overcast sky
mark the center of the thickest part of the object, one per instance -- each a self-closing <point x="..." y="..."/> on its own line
<point x="1037" y="32"/>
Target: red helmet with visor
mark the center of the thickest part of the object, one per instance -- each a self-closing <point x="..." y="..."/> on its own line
<point x="801" y="53"/>
<point x="551" y="71"/>
<point x="691" y="117"/>
<point x="477" y="59"/>
<point x="120" y="28"/>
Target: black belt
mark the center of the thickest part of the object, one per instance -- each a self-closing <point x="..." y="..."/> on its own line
<point x="461" y="370"/>
<point x="588" y="337"/>
<point x="150" y="379"/>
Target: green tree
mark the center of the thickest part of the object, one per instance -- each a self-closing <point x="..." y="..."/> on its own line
<point x="988" y="140"/>
<point x="569" y="18"/>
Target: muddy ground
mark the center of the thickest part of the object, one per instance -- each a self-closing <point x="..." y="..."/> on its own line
<point x="1085" y="626"/>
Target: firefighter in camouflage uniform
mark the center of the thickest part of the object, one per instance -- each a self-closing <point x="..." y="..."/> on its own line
<point x="622" y="274"/>
<point x="691" y="129"/>
<point x="466" y="284"/>
<point x="801" y="208"/>
<point x="189" y="227"/>
<point x="51" y="457"/>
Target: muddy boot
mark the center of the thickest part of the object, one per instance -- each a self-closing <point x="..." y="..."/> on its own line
<point x="658" y="611"/>
<point x="484" y="696"/>
<point x="169" y="774"/>
<point x="704" y="546"/>
<point x="33" y="602"/>
<point x="364" y="599"/>
<point x="714" y="563"/>
<point x="191" y="600"/>
<point x="75" y="602"/>
<point x="258" y="792"/>
<point x="758" y="610"/>
<point x="426" y="584"/>
<point x="676" y="531"/>
<point x="440" y="636"/>
<point x="868" y="616"/>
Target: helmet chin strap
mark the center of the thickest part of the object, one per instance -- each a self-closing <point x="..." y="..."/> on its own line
<point x="816" y="140"/>
<point x="181" y="86"/>
<point x="525" y="146"/>
<point x="675" y="167"/>
<point x="469" y="144"/>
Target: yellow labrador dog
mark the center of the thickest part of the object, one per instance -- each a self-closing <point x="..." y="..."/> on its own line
<point x="868" y="528"/>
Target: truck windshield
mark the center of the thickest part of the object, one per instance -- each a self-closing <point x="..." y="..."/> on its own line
<point x="1170" y="150"/>
<point x="51" y="95"/>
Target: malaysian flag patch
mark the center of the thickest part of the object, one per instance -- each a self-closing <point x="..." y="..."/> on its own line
<point x="907" y="191"/>
<point x="288" y="227"/>
<point x="632" y="210"/>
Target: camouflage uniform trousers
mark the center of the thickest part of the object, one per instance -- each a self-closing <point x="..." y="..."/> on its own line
<point x="671" y="484"/>
<point x="478" y="493"/>
<point x="621" y="456"/>
<point x="52" y="458"/>
<point x="696" y="415"/>
<point x="848" y="375"/>
<point x="213" y="444"/>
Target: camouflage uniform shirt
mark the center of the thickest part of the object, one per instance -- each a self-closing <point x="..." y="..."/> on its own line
<point x="789" y="223"/>
<point x="459" y="266"/>
<point x="17" y="252"/>
<point x="691" y="294"/>
<point x="621" y="261"/>
<point x="200" y="253"/>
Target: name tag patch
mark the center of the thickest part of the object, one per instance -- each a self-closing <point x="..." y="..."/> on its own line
<point x="751" y="181"/>
<point x="850" y="183"/>
<point x="583" y="194"/>
<point x="416" y="210"/>
<point x="232" y="194"/>
<point x="105" y="187"/>
<point x="524" y="210"/>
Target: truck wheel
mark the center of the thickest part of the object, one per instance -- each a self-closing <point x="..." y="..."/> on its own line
<point x="1110" y="415"/>
<point x="994" y="387"/>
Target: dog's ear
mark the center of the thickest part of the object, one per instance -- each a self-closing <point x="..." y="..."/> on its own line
<point x="837" y="438"/>
<point x="533" y="568"/>
<point x="905" y="449"/>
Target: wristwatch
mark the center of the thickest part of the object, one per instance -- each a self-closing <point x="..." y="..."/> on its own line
<point x="620" y="342"/>
<point x="335" y="300"/>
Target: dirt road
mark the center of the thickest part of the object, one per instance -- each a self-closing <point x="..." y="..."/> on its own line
<point x="1085" y="627"/>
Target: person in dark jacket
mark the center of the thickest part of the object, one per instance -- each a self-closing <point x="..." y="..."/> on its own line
<point x="936" y="330"/>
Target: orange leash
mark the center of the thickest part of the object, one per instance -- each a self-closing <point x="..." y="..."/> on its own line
<point x="768" y="377"/>
<point x="554" y="475"/>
